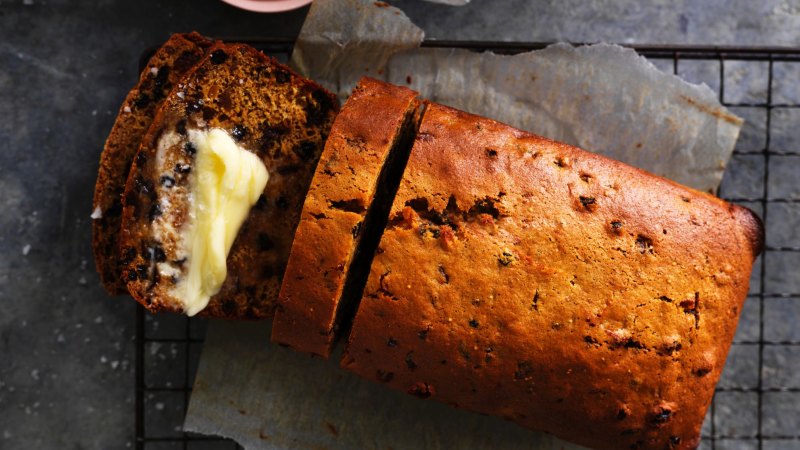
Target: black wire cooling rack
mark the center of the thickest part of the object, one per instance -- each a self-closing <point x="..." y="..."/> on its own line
<point x="757" y="402"/>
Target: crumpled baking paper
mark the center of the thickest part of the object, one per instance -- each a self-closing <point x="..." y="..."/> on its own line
<point x="343" y="40"/>
<point x="450" y="2"/>
<point x="268" y="397"/>
<point x="602" y="98"/>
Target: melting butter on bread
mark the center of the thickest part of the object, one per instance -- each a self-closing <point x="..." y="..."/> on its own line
<point x="164" y="70"/>
<point x="250" y="119"/>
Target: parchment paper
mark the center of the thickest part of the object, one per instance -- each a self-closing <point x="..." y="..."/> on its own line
<point x="343" y="40"/>
<point x="450" y="2"/>
<point x="602" y="98"/>
<point x="269" y="397"/>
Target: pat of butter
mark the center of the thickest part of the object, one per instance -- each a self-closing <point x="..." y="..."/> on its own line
<point x="227" y="182"/>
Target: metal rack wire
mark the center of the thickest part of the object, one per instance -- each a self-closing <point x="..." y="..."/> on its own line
<point x="167" y="347"/>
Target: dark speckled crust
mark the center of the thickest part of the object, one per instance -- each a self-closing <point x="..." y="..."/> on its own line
<point x="167" y="66"/>
<point x="564" y="291"/>
<point x="271" y="111"/>
<point x="344" y="186"/>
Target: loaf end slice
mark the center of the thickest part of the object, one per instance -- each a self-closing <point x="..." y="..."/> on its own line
<point x="163" y="71"/>
<point x="357" y="175"/>
<point x="569" y="293"/>
<point x="264" y="109"/>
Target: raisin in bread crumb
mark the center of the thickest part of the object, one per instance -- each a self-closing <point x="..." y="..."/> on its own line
<point x="281" y="117"/>
<point x="360" y="154"/>
<point x="566" y="292"/>
<point x="163" y="71"/>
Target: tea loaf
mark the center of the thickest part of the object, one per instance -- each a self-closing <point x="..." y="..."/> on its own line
<point x="163" y="71"/>
<point x="561" y="290"/>
<point x="368" y="143"/>
<point x="216" y="189"/>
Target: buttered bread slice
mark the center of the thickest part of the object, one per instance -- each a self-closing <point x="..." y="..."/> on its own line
<point x="215" y="192"/>
<point x="166" y="68"/>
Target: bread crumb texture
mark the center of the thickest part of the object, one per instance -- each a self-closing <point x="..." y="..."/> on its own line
<point x="168" y="65"/>
<point x="335" y="213"/>
<point x="268" y="110"/>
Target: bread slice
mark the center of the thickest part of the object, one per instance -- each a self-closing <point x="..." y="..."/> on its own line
<point x="163" y="71"/>
<point x="564" y="291"/>
<point x="360" y="167"/>
<point x="266" y="110"/>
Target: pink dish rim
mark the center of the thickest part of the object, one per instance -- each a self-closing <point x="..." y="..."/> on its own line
<point x="268" y="5"/>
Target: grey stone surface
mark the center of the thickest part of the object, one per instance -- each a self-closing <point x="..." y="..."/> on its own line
<point x="705" y="431"/>
<point x="164" y="412"/>
<point x="781" y="273"/>
<point x="782" y="228"/>
<point x="753" y="137"/>
<point x="165" y="326"/>
<point x="780" y="414"/>
<point x="700" y="71"/>
<point x="66" y="348"/>
<point x="745" y="82"/>
<point x="785" y="89"/>
<point x="781" y="367"/>
<point x="784" y="130"/>
<point x="166" y="364"/>
<point x="737" y="444"/>
<point x="744" y="177"/>
<point x="741" y="368"/>
<point x="780" y="320"/>
<point x="211" y="445"/>
<point x="730" y="22"/>
<point x="736" y="414"/>
<point x="782" y="182"/>
<point x="748" y="328"/>
<point x="781" y="444"/>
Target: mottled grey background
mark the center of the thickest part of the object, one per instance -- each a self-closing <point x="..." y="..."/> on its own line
<point x="67" y="349"/>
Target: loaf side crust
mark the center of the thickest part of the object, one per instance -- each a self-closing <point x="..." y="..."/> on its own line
<point x="163" y="71"/>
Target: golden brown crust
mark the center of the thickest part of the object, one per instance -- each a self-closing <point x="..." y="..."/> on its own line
<point x="166" y="67"/>
<point x="566" y="292"/>
<point x="273" y="112"/>
<point x="344" y="185"/>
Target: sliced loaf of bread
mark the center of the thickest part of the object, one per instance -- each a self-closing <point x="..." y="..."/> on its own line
<point x="569" y="293"/>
